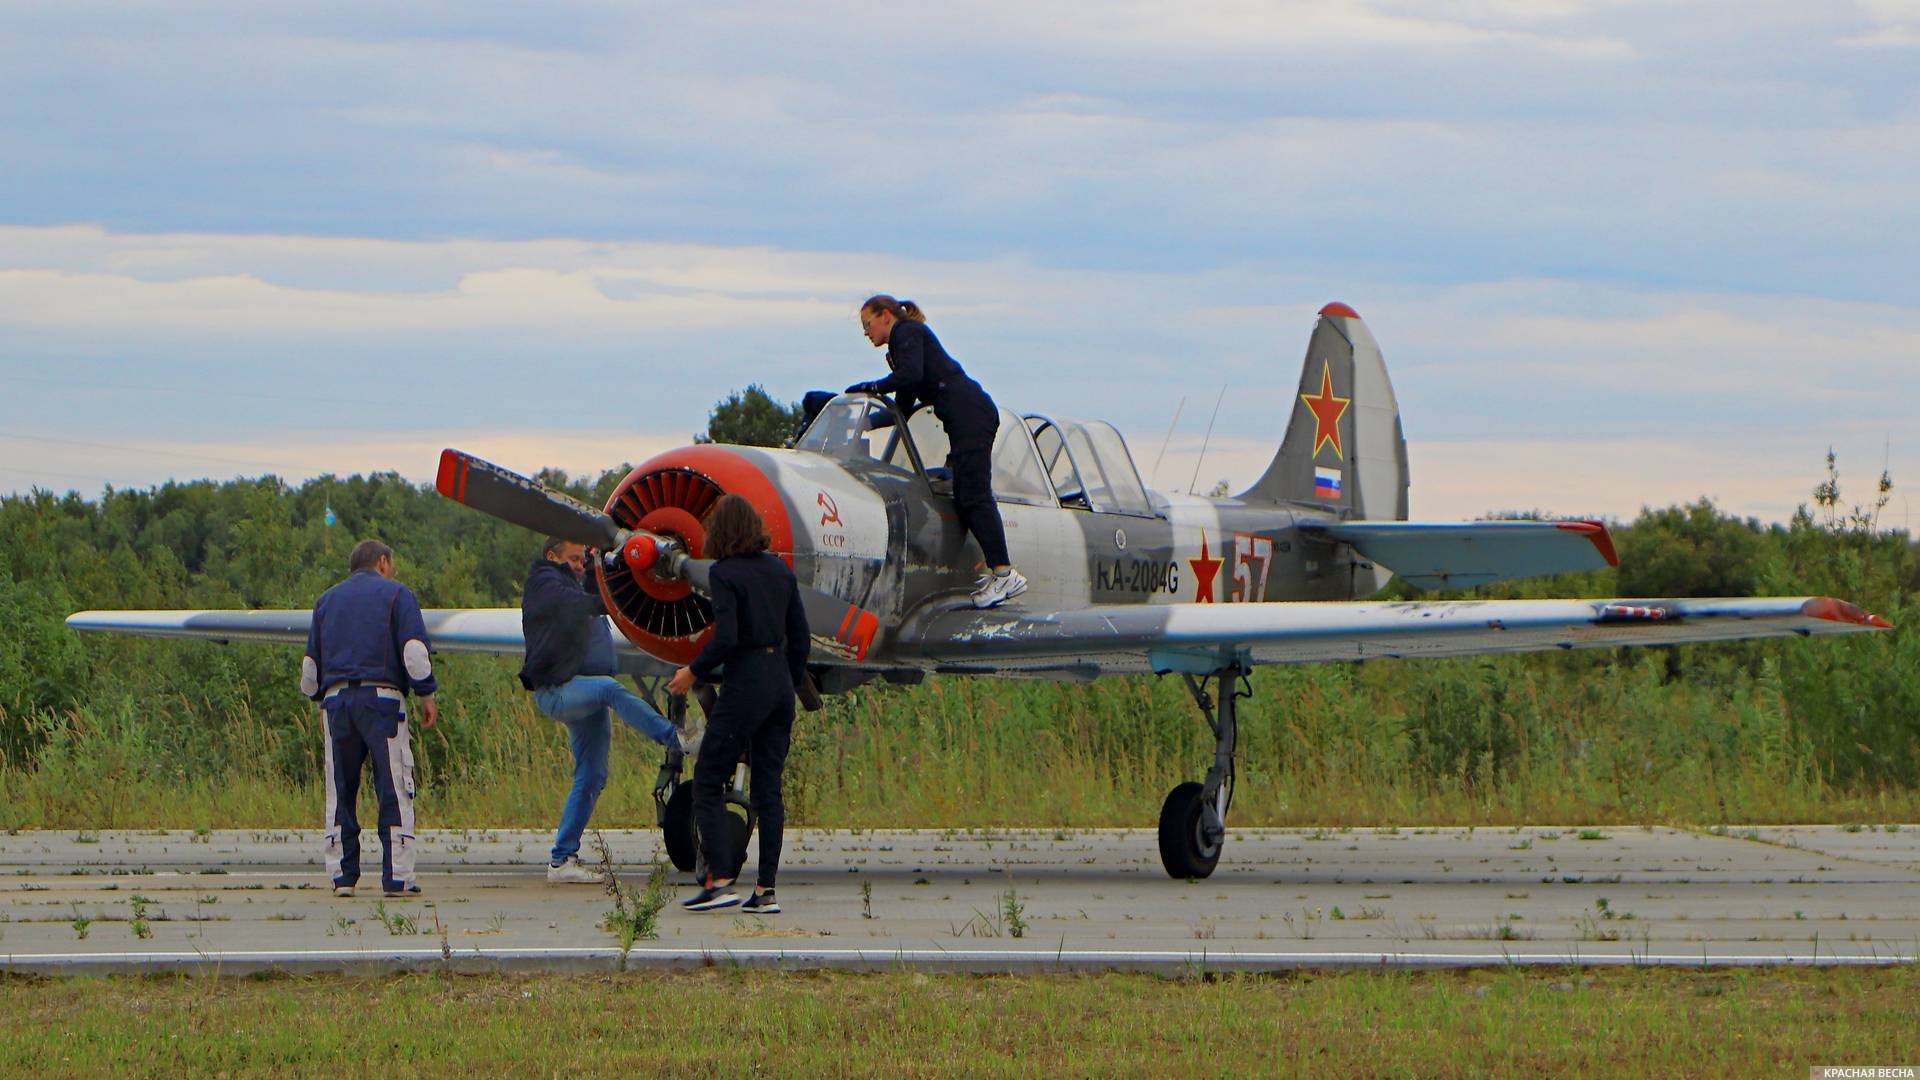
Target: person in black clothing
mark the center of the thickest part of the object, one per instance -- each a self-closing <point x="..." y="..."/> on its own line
<point x="922" y="371"/>
<point x="760" y="636"/>
<point x="570" y="667"/>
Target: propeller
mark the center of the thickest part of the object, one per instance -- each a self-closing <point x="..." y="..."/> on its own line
<point x="517" y="500"/>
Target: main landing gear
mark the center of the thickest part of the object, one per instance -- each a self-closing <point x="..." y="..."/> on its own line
<point x="673" y="804"/>
<point x="1193" y="820"/>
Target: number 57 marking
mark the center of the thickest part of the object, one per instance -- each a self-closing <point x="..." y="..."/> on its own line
<point x="1253" y="557"/>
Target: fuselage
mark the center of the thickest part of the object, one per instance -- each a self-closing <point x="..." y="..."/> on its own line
<point x="870" y="525"/>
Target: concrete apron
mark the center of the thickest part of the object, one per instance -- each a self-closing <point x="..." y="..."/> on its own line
<point x="237" y="901"/>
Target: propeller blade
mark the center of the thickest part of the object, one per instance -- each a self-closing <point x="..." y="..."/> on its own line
<point x="517" y="500"/>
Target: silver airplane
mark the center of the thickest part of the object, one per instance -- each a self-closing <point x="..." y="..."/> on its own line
<point x="1124" y="580"/>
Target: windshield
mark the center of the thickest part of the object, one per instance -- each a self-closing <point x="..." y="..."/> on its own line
<point x="854" y="428"/>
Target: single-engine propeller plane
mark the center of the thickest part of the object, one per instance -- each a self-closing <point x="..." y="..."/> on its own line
<point x="1124" y="580"/>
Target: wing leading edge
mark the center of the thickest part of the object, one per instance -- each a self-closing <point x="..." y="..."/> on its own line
<point x="481" y="630"/>
<point x="1141" y="637"/>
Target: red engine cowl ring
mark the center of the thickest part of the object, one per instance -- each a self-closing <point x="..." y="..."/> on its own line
<point x="669" y="496"/>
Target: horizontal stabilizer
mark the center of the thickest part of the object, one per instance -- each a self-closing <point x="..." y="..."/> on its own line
<point x="1462" y="555"/>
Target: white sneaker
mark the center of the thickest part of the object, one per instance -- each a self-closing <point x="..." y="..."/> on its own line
<point x="1000" y="588"/>
<point x="570" y="872"/>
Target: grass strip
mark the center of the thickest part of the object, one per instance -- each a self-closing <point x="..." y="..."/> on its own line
<point x="1483" y="1023"/>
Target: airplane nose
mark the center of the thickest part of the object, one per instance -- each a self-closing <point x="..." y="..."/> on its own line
<point x="668" y="496"/>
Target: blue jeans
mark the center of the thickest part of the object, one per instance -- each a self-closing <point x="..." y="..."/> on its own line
<point x="581" y="703"/>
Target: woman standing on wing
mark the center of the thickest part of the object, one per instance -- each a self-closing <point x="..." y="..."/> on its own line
<point x="760" y="635"/>
<point x="922" y="371"/>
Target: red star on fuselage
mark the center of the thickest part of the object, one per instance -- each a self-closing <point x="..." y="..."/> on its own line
<point x="1327" y="411"/>
<point x="1205" y="569"/>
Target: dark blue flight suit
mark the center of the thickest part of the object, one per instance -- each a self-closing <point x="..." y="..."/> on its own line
<point x="760" y="636"/>
<point x="922" y="371"/>
<point x="367" y="648"/>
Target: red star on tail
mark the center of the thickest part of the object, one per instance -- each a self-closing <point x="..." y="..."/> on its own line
<point x="1327" y="411"/>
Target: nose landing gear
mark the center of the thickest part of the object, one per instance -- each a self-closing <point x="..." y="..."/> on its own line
<point x="1193" y="820"/>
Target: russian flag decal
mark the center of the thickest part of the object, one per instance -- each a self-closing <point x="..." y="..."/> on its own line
<point x="1326" y="482"/>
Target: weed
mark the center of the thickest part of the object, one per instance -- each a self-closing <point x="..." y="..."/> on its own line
<point x="1304" y="927"/>
<point x="1591" y="834"/>
<point x="396" y="922"/>
<point x="1011" y="909"/>
<point x="866" y="899"/>
<point x="635" y="915"/>
<point x="80" y="923"/>
<point x="138" y="924"/>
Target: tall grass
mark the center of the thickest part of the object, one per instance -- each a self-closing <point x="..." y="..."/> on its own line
<point x="1492" y="741"/>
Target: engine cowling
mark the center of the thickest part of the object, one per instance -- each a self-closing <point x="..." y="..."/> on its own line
<point x="668" y="496"/>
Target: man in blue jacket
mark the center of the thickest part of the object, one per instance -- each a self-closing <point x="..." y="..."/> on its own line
<point x="367" y="649"/>
<point x="570" y="668"/>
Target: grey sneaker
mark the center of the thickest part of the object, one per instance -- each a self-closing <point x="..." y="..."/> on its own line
<point x="1000" y="588"/>
<point x="570" y="872"/>
<point x="712" y="897"/>
<point x="761" y="903"/>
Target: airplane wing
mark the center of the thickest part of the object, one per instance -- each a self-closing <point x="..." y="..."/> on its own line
<point x="1204" y="638"/>
<point x="1461" y="555"/>
<point x="482" y="630"/>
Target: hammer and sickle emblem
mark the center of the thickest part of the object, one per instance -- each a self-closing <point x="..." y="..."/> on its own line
<point x="830" y="511"/>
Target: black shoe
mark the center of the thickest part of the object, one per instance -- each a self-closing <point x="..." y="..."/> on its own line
<point x="712" y="897"/>
<point x="762" y="903"/>
<point x="403" y="890"/>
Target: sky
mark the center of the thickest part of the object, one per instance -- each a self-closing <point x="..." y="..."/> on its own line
<point x="1617" y="255"/>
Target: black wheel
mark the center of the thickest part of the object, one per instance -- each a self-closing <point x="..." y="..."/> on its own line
<point x="738" y="830"/>
<point x="1184" y="850"/>
<point x="677" y="829"/>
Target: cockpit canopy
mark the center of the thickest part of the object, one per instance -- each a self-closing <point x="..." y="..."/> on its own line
<point x="1037" y="460"/>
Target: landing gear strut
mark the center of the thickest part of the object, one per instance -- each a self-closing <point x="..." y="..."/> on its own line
<point x="1193" y="820"/>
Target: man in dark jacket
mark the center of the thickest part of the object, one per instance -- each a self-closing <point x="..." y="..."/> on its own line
<point x="570" y="667"/>
<point x="367" y="649"/>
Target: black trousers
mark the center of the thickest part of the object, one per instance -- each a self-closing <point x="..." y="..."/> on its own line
<point x="754" y="716"/>
<point x="973" y="500"/>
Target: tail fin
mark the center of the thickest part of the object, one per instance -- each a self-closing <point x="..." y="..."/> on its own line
<point x="1343" y="449"/>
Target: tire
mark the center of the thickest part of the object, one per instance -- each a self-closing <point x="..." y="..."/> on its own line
<point x="738" y="831"/>
<point x="1183" y="850"/>
<point x="677" y="829"/>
